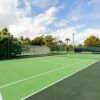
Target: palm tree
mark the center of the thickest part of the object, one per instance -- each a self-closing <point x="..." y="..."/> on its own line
<point x="67" y="40"/>
<point x="60" y="43"/>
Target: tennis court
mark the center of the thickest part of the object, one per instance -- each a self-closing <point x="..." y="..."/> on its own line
<point x="22" y="78"/>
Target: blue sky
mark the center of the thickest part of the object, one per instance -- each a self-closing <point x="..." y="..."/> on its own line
<point x="59" y="18"/>
<point x="86" y="12"/>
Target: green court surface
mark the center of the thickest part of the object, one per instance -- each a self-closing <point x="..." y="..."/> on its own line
<point x="22" y="78"/>
<point x="84" y="85"/>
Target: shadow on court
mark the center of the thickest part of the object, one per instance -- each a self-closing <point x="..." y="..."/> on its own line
<point x="84" y="85"/>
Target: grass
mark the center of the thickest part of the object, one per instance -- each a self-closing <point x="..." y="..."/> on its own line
<point x="23" y="77"/>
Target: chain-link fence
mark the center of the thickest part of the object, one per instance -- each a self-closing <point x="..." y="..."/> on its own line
<point x="8" y="51"/>
<point x="17" y="50"/>
<point x="34" y="50"/>
<point x="13" y="50"/>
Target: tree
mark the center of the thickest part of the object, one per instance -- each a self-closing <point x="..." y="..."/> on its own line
<point x="49" y="41"/>
<point x="80" y="45"/>
<point x="9" y="46"/>
<point x="38" y="41"/>
<point x="67" y="40"/>
<point x="25" y="41"/>
<point x="61" y="44"/>
<point x="92" y="41"/>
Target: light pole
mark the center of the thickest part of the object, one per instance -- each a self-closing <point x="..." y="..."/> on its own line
<point x="73" y="34"/>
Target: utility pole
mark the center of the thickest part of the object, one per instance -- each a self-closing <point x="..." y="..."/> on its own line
<point x="73" y="34"/>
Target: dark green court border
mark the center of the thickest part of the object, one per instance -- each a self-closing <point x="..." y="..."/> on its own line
<point x="84" y="85"/>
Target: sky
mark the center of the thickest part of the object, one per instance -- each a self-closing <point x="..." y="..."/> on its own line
<point x="59" y="18"/>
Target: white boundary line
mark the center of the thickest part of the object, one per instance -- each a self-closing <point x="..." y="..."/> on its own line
<point x="52" y="62"/>
<point x="56" y="82"/>
<point x="40" y="74"/>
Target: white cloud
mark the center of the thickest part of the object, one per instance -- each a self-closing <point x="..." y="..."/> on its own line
<point x="19" y="24"/>
<point x="38" y="24"/>
<point x="8" y="12"/>
<point x="80" y="37"/>
<point x="64" y="33"/>
<point x="26" y="10"/>
<point x="61" y="23"/>
<point x="44" y="3"/>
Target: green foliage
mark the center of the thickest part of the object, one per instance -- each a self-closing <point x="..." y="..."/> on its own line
<point x="38" y="41"/>
<point x="9" y="46"/>
<point x="91" y="44"/>
<point x="49" y="41"/>
<point x="24" y="41"/>
<point x="67" y="40"/>
<point x="92" y="41"/>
